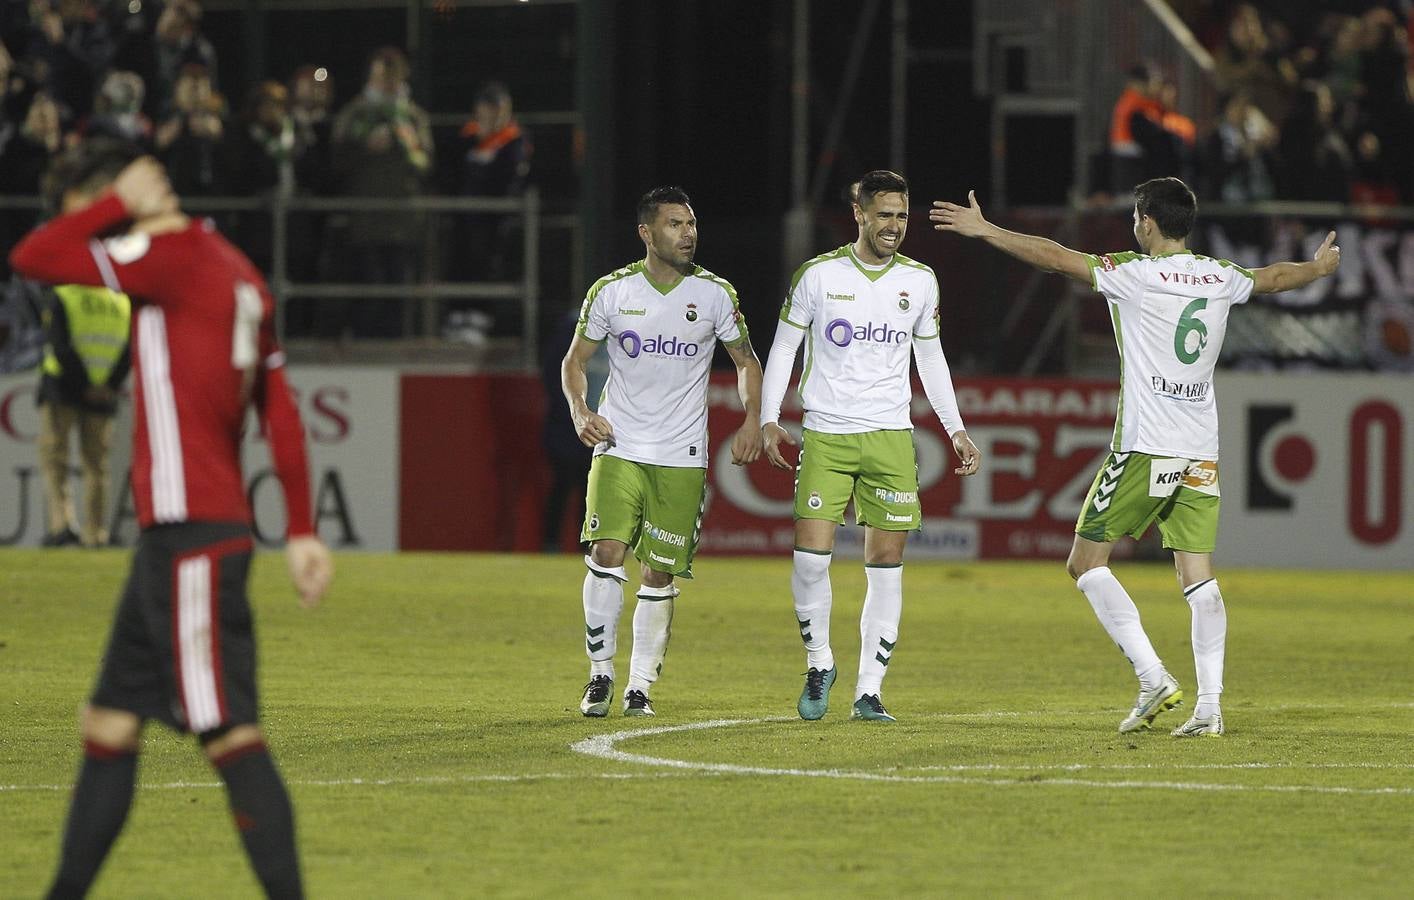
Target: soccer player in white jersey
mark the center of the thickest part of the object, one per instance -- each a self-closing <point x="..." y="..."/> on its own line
<point x="1169" y="307"/>
<point x="662" y="317"/>
<point x="862" y="311"/>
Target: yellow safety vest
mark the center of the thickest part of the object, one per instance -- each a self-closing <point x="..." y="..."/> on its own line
<point x="98" y="329"/>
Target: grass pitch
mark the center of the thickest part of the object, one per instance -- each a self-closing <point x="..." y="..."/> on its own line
<point x="426" y="720"/>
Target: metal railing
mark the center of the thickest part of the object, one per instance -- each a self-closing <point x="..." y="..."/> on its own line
<point x="430" y="291"/>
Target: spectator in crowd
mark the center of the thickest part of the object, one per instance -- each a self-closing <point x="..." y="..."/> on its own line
<point x="133" y="26"/>
<point x="382" y="146"/>
<point x="311" y="92"/>
<point x="1135" y="129"/>
<point x="73" y="49"/>
<point x="23" y="160"/>
<point x="261" y="153"/>
<point x="189" y="139"/>
<point x="1237" y="160"/>
<point x="1316" y="161"/>
<point x="27" y="152"/>
<point x="493" y="159"/>
<point x="1249" y="63"/>
<point x="180" y="44"/>
<point x="1375" y="180"/>
<point x="117" y="110"/>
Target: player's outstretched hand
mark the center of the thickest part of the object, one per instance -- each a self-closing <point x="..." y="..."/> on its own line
<point x="968" y="453"/>
<point x="593" y="429"/>
<point x="772" y="434"/>
<point x="311" y="568"/>
<point x="1327" y="256"/>
<point x="746" y="446"/>
<point x="144" y="189"/>
<point x="964" y="220"/>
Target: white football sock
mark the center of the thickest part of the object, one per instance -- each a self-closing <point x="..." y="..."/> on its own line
<point x="1209" y="643"/>
<point x="603" y="604"/>
<point x="810" y="585"/>
<point x="652" y="627"/>
<point x="878" y="626"/>
<point x="1120" y="617"/>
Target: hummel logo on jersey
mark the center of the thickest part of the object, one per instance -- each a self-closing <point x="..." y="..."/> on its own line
<point x="893" y="518"/>
<point x="840" y="297"/>
<point x="842" y="333"/>
<point x="661" y="345"/>
<point x="665" y="560"/>
<point x="633" y="312"/>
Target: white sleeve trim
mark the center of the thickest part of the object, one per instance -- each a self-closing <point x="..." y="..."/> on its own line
<point x="779" y="365"/>
<point x="105" y="266"/>
<point x="933" y="371"/>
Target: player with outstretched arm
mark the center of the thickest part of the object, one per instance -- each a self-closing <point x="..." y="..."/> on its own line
<point x="1169" y="307"/>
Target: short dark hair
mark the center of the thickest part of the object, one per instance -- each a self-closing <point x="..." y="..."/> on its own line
<point x="88" y="167"/>
<point x="1170" y="203"/>
<point x="648" y="204"/>
<point x="879" y="181"/>
<point x="493" y="92"/>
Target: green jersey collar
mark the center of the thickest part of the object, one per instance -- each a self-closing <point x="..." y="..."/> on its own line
<point x="866" y="271"/>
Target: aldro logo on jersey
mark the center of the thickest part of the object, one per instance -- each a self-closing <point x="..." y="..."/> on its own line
<point x="842" y="333"/>
<point x="657" y="345"/>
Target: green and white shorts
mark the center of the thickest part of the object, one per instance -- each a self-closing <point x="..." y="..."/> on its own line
<point x="877" y="468"/>
<point x="1132" y="490"/>
<point x="656" y="510"/>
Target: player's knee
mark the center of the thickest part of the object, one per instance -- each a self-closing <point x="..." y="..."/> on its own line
<point x="655" y="579"/>
<point x="221" y="742"/>
<point x="1074" y="567"/>
<point x="113" y="729"/>
<point x="608" y="554"/>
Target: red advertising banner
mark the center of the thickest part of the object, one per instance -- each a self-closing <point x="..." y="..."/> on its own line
<point x="1042" y="441"/>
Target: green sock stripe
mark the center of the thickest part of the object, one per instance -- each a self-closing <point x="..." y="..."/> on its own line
<point x="814" y="552"/>
<point x="897" y="565"/>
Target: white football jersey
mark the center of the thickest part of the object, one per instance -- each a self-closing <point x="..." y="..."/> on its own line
<point x="660" y="344"/>
<point x="1170" y="316"/>
<point x="860" y="322"/>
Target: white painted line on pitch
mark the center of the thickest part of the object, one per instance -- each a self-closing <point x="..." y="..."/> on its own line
<point x="605" y="746"/>
<point x="1120" y="767"/>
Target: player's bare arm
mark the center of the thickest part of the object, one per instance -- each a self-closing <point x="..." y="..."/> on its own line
<point x="1287" y="276"/>
<point x="1043" y="253"/>
<point x="967" y="454"/>
<point x="746" y="445"/>
<point x="592" y="428"/>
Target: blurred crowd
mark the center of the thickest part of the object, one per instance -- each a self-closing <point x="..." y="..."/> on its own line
<point x="1314" y="108"/>
<point x="143" y="70"/>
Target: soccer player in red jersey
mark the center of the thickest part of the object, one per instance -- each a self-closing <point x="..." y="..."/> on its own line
<point x="182" y="650"/>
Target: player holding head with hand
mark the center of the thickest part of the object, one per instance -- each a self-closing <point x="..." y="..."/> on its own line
<point x="1169" y="307"/>
<point x="181" y="649"/>
<point x="661" y="318"/>
<point x="867" y="309"/>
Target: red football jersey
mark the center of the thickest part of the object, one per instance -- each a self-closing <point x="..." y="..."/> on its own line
<point x="203" y="348"/>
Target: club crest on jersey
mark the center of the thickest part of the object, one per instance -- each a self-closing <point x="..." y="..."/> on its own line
<point x="903" y="300"/>
<point x="692" y="312"/>
<point x="814" y="502"/>
<point x="593" y="521"/>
